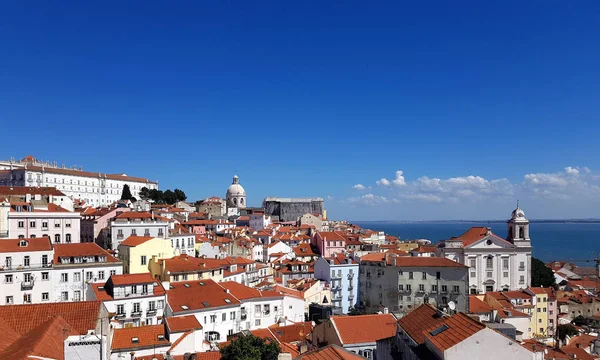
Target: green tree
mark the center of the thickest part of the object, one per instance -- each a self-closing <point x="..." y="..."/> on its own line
<point x="169" y="197"/>
<point x="156" y="196"/>
<point x="144" y="193"/>
<point x="580" y="321"/>
<point x="541" y="275"/>
<point x="179" y="195"/>
<point x="126" y="194"/>
<point x="356" y="311"/>
<point x="250" y="347"/>
<point x="566" y="329"/>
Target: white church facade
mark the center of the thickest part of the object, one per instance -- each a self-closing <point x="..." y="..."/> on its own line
<point x="495" y="264"/>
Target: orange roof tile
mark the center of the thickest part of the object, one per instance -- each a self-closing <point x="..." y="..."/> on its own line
<point x="455" y="329"/>
<point x="364" y="328"/>
<point x="123" y="339"/>
<point x="80" y="249"/>
<point x="330" y="352"/>
<point x="34" y="244"/>
<point x="475" y="234"/>
<point x="136" y="240"/>
<point x="131" y="279"/>
<point x="198" y="295"/>
<point x="184" y="263"/>
<point x="29" y="190"/>
<point x="209" y="355"/>
<point x="418" y="320"/>
<point x="81" y="316"/>
<point x="477" y="306"/>
<point x="292" y="333"/>
<point x="182" y="323"/>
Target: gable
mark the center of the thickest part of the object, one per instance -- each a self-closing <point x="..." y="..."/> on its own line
<point x="490" y="242"/>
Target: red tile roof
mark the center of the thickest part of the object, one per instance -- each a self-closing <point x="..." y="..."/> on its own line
<point x="35" y="244"/>
<point x="209" y="355"/>
<point x="331" y="352"/>
<point x="292" y="333"/>
<point x="198" y="295"/>
<point x="475" y="234"/>
<point x="29" y="190"/>
<point x="331" y="236"/>
<point x="455" y="329"/>
<point x="81" y="316"/>
<point x="136" y="240"/>
<point x="412" y="261"/>
<point x="80" y="249"/>
<point x="147" y="337"/>
<point x="183" y="323"/>
<point x="418" y="320"/>
<point x="131" y="279"/>
<point x="477" y="306"/>
<point x="184" y="263"/>
<point x="364" y="328"/>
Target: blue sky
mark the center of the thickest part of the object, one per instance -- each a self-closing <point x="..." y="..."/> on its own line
<point x="496" y="100"/>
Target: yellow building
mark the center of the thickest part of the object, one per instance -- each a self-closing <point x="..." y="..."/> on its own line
<point x="185" y="268"/>
<point x="539" y="316"/>
<point x="136" y="252"/>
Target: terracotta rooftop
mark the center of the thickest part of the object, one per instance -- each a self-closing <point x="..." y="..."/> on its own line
<point x="330" y="352"/>
<point x="198" y="295"/>
<point x="131" y="279"/>
<point x="418" y="320"/>
<point x="411" y="261"/>
<point x="29" y="245"/>
<point x="80" y="249"/>
<point x="136" y="240"/>
<point x="46" y="340"/>
<point x="139" y="337"/>
<point x="364" y="328"/>
<point x="477" y="306"/>
<point x="331" y="236"/>
<point x="292" y="333"/>
<point x="452" y="331"/>
<point x="475" y="234"/>
<point x="182" y="323"/>
<point x="185" y="263"/>
<point x="29" y="190"/>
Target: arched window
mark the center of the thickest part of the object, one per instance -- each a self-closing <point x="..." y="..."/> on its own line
<point x="510" y="232"/>
<point x="234" y="201"/>
<point x="521" y="232"/>
<point x="242" y="201"/>
<point x="57" y="238"/>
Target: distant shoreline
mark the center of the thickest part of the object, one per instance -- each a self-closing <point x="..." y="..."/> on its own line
<point x="538" y="221"/>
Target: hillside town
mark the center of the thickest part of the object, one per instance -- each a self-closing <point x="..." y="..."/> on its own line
<point x="107" y="266"/>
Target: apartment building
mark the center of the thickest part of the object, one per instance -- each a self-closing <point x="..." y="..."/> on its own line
<point x="341" y="273"/>
<point x="136" y="252"/>
<point x="133" y="223"/>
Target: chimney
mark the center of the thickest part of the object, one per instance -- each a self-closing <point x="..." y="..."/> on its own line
<point x="488" y="231"/>
<point x="386" y="310"/>
<point x="227" y="291"/>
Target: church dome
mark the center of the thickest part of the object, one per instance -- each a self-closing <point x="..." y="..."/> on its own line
<point x="518" y="213"/>
<point x="235" y="189"/>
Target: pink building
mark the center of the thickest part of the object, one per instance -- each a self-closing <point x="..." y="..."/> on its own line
<point x="95" y="224"/>
<point x="329" y="243"/>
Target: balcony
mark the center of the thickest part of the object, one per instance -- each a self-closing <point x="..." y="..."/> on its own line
<point x="27" y="285"/>
<point x="336" y="276"/>
<point x="455" y="292"/>
<point x="136" y="314"/>
<point x="405" y="291"/>
<point x="151" y="312"/>
<point x="521" y="268"/>
<point x="120" y="316"/>
<point x="350" y="276"/>
<point x="120" y="236"/>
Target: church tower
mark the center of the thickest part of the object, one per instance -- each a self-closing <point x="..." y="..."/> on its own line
<point x="518" y="228"/>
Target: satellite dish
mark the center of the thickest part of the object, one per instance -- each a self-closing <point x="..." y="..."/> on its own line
<point x="452" y="305"/>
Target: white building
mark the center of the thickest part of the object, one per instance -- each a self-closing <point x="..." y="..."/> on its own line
<point x="38" y="218"/>
<point x="76" y="266"/>
<point x="259" y="220"/>
<point x="137" y="224"/>
<point x="221" y="313"/>
<point x="341" y="273"/>
<point x="495" y="264"/>
<point x="131" y="299"/>
<point x="402" y="283"/>
<point x="235" y="197"/>
<point x="182" y="241"/>
<point x="96" y="189"/>
<point x="25" y="268"/>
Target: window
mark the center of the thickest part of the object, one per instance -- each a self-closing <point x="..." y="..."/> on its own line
<point x="89" y="275"/>
<point x="224" y="317"/>
<point x="57" y="238"/>
<point x="421" y="287"/>
<point x="45" y="276"/>
<point x="133" y="289"/>
<point x="424" y="275"/>
<point x="120" y="309"/>
<point x="21" y="224"/>
<point x="257" y="322"/>
<point x="26" y="260"/>
<point x="544" y="300"/>
<point x="455" y="289"/>
<point x="522" y="266"/>
<point x="9" y="300"/>
<point x="77" y="295"/>
<point x="133" y="232"/>
<point x="151" y="305"/>
<point x="64" y="296"/>
<point x="8" y="279"/>
<point x="77" y="277"/>
<point x="229" y="332"/>
<point x="444" y="288"/>
<point x="64" y="277"/>
<point x="144" y="260"/>
<point x="400" y="287"/>
<point x="550" y="312"/>
<point x="136" y="307"/>
<point x="113" y="272"/>
<point x="175" y="277"/>
<point x="44" y="260"/>
<point x="522" y="279"/>
<point x="505" y="274"/>
<point x="539" y="310"/>
<point x="473" y="274"/>
<point x="410" y="275"/>
<point x="44" y="224"/>
<point x="434" y="288"/>
<point x="32" y="224"/>
<point x="56" y="223"/>
<point x="232" y="315"/>
<point x="408" y="287"/>
<point x="539" y="320"/>
<point x="489" y="274"/>
<point x="101" y="275"/>
<point x="544" y="309"/>
<point x="489" y="263"/>
<point x="213" y="318"/>
<point x="504" y="264"/>
<point x="267" y="309"/>
<point x="68" y="238"/>
<point x="27" y="298"/>
<point x="257" y="308"/>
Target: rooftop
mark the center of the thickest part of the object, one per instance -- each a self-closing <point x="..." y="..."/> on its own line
<point x="364" y="328"/>
<point x="81" y="249"/>
<point x="182" y="323"/>
<point x="136" y="240"/>
<point x="25" y="245"/>
<point x="198" y="295"/>
<point x="416" y="321"/>
<point x="139" y="337"/>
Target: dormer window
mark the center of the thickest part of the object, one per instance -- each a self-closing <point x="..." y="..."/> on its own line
<point x="101" y="258"/>
<point x="78" y="259"/>
<point x="65" y="260"/>
<point x="135" y="340"/>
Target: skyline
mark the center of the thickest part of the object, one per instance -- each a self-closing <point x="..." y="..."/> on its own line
<point x="387" y="111"/>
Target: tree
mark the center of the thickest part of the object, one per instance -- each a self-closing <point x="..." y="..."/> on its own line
<point x="144" y="193"/>
<point x="353" y="311"/>
<point x="169" y="197"/>
<point x="179" y="195"/>
<point x="156" y="195"/>
<point x="541" y="275"/>
<point x="580" y="321"/>
<point x="250" y="347"/>
<point x="566" y="329"/>
<point x="126" y="195"/>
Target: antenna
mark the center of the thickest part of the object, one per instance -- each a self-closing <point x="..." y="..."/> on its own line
<point x="452" y="305"/>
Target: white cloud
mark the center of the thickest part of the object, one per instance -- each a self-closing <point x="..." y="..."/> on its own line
<point x="329" y="197"/>
<point x="398" y="181"/>
<point x="572" y="171"/>
<point x="421" y="197"/>
<point x="359" y="187"/>
<point x="368" y="199"/>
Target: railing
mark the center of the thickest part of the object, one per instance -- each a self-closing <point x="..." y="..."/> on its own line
<point x="120" y="316"/>
<point x="522" y="268"/>
<point x="120" y="236"/>
<point x="151" y="312"/>
<point x="350" y="275"/>
<point x="405" y="291"/>
<point x="136" y="314"/>
<point x="336" y="276"/>
<point x="27" y="285"/>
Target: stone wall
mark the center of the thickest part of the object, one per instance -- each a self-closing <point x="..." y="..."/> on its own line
<point x="292" y="210"/>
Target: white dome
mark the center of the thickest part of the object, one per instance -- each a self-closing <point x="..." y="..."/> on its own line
<point x="518" y="213"/>
<point x="235" y="189"/>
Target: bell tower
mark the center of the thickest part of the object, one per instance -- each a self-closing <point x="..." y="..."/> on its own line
<point x="518" y="228"/>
